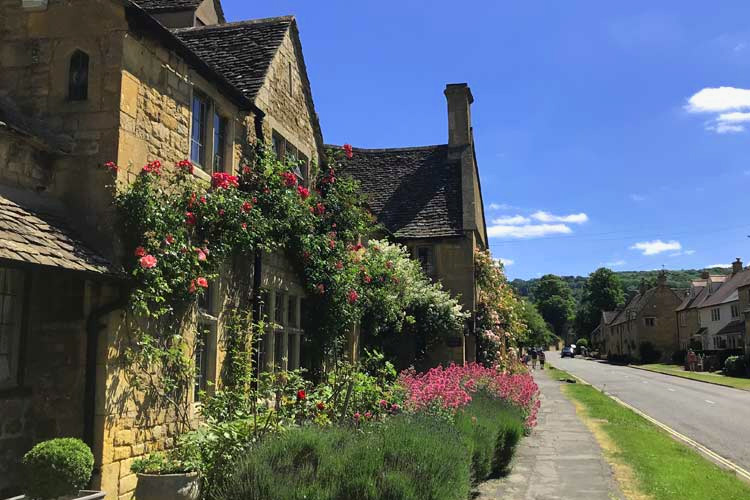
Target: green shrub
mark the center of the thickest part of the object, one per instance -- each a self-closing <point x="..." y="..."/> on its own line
<point x="648" y="353"/>
<point x="57" y="467"/>
<point x="734" y="366"/>
<point x="494" y="429"/>
<point x="678" y="357"/>
<point x="405" y="458"/>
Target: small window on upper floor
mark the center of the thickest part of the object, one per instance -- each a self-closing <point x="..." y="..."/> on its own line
<point x="716" y="314"/>
<point x="78" y="76"/>
<point x="424" y="256"/>
<point x="650" y="321"/>
<point x="200" y="126"/>
<point x="735" y="311"/>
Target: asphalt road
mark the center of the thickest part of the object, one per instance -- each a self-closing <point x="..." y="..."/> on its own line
<point x="716" y="417"/>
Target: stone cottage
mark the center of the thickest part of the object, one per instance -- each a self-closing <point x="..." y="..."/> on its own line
<point x="136" y="82"/>
<point x="647" y="317"/>
<point x="688" y="312"/>
<point x="429" y="198"/>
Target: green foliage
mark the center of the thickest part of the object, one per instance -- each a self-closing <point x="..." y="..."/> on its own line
<point x="737" y="366"/>
<point x="499" y="319"/>
<point x="648" y="353"/>
<point x="555" y="302"/>
<point x="603" y="292"/>
<point x="582" y="342"/>
<point x="405" y="314"/>
<point x="174" y="462"/>
<point x="407" y="457"/>
<point x="57" y="467"/>
<point x="493" y="429"/>
<point x="539" y="332"/>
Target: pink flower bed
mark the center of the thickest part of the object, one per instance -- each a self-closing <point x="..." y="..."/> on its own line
<point x="451" y="388"/>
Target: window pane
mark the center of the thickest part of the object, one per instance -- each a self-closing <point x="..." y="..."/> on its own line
<point x="198" y="137"/>
<point x="11" y="284"/>
<point x="279" y="145"/>
<point x="201" y="360"/>
<point x="220" y="143"/>
<point x="292" y="308"/>
<point x="279" y="313"/>
<point x="78" y="76"/>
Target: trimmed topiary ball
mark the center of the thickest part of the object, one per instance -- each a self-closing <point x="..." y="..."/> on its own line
<point x="57" y="467"/>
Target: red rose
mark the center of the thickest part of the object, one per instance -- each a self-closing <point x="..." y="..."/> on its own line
<point x="148" y="262"/>
<point x="304" y="193"/>
<point x="319" y="209"/>
<point x="339" y="265"/>
<point x="111" y="166"/>
<point x="185" y="166"/>
<point x="191" y="289"/>
<point x="153" y="167"/>
<point x="321" y="288"/>
<point x="201" y="282"/>
<point x="191" y="201"/>
<point x="352" y="296"/>
<point x="348" y="150"/>
<point x="221" y="212"/>
<point x="201" y="254"/>
<point x="203" y="200"/>
<point x="367" y="279"/>
<point x="321" y="406"/>
<point x="289" y="179"/>
<point x="169" y="239"/>
<point x="140" y="251"/>
<point x="244" y="226"/>
<point x="247" y="206"/>
<point x="222" y="180"/>
<point x="301" y="395"/>
<point x="246" y="170"/>
<point x="332" y="244"/>
<point x="190" y="218"/>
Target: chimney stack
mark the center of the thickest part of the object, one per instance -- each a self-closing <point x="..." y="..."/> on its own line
<point x="459" y="100"/>
<point x="736" y="266"/>
<point x="705" y="275"/>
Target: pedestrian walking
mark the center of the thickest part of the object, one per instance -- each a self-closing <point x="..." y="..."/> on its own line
<point x="534" y="357"/>
<point x="691" y="360"/>
<point x="542" y="359"/>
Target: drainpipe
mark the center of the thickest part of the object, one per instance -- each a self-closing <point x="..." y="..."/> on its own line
<point x="93" y="327"/>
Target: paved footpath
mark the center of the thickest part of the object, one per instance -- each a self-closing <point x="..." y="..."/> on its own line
<point x="560" y="460"/>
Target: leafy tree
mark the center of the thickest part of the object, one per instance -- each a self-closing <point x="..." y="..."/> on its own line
<point x="539" y="332"/>
<point x="603" y="292"/>
<point x="555" y="302"/>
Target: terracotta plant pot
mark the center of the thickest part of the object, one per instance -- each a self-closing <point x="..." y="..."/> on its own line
<point x="184" y="486"/>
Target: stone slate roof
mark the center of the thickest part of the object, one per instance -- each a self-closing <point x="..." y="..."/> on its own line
<point x="728" y="291"/>
<point x="414" y="192"/>
<point x="241" y="52"/>
<point x="177" y="5"/>
<point x="608" y="316"/>
<point x="636" y="303"/>
<point x="42" y="239"/>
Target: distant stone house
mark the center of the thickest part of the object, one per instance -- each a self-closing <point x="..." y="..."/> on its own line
<point x="722" y="322"/>
<point x="601" y="337"/>
<point x="689" y="330"/>
<point x="647" y="317"/>
<point x="132" y="83"/>
<point x="429" y="198"/>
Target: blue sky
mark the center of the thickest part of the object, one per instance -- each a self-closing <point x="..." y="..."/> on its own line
<point x="606" y="134"/>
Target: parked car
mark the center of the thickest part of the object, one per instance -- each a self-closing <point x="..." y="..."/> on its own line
<point x="567" y="352"/>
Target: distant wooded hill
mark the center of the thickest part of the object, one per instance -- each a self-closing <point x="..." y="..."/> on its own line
<point x="630" y="281"/>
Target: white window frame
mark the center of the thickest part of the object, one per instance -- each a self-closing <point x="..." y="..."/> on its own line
<point x="213" y="110"/>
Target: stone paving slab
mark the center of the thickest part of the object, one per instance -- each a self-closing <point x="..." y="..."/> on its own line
<point x="560" y="460"/>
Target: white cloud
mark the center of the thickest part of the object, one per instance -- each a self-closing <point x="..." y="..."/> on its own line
<point x="501" y="206"/>
<point x="511" y="220"/>
<point x="527" y="230"/>
<point x="656" y="247"/>
<point x="506" y="262"/>
<point x="728" y="102"/>
<point x="543" y="216"/>
<point x="689" y="252"/>
<point x="637" y="197"/>
<point x="617" y="263"/>
<point x="717" y="265"/>
<point x="716" y="100"/>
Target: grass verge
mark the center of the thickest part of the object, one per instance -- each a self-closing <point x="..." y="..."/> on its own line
<point x="662" y="468"/>
<point x="715" y="378"/>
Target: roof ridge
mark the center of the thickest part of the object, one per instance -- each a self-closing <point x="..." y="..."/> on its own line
<point x="383" y="150"/>
<point x="235" y="24"/>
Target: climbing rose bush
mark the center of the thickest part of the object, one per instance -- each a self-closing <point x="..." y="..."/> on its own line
<point x="448" y="389"/>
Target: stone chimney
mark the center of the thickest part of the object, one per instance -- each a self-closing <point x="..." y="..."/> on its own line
<point x="459" y="100"/>
<point x="736" y="266"/>
<point x="662" y="279"/>
<point x="705" y="275"/>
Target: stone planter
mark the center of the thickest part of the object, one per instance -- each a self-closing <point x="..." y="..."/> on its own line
<point x="184" y="486"/>
<point x="82" y="495"/>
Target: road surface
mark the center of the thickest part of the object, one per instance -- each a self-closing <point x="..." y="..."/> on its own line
<point x="716" y="417"/>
